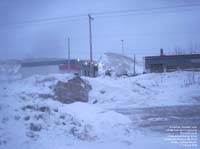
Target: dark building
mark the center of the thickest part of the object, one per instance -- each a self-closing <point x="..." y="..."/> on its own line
<point x="46" y="66"/>
<point x="168" y="63"/>
<point x="41" y="62"/>
<point x="50" y="66"/>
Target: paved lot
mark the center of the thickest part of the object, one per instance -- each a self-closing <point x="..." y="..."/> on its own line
<point x="160" y="118"/>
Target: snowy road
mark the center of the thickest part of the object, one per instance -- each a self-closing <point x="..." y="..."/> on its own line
<point x="160" y="118"/>
<point x="154" y="121"/>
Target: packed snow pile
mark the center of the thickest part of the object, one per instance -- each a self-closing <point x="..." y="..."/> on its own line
<point x="117" y="65"/>
<point x="9" y="71"/>
<point x="154" y="89"/>
<point x="30" y="121"/>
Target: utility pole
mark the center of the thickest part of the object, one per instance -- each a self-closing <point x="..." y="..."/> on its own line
<point x="134" y="64"/>
<point x="122" y="47"/>
<point x="68" y="65"/>
<point x="91" y="56"/>
<point x="90" y="36"/>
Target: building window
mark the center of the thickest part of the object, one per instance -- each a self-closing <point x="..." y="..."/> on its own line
<point x="171" y="68"/>
<point x="157" y="68"/>
<point x="195" y="60"/>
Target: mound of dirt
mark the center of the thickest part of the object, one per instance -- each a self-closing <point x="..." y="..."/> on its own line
<point x="75" y="89"/>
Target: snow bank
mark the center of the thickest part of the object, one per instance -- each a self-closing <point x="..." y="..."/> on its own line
<point x="118" y="65"/>
<point x="155" y="89"/>
<point x="107" y="125"/>
<point x="45" y="123"/>
<point x="10" y="71"/>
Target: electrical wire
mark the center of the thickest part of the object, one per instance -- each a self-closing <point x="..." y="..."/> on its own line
<point x="104" y="14"/>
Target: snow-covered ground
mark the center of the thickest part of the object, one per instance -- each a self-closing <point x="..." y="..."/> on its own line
<point x="29" y="121"/>
<point x="9" y="71"/>
<point x="176" y="88"/>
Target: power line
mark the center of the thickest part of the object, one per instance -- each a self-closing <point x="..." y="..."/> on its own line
<point x="142" y="13"/>
<point x="145" y="10"/>
<point x="24" y="25"/>
<point x="138" y="35"/>
<point x="66" y="18"/>
<point x="102" y="14"/>
<point x="17" y="26"/>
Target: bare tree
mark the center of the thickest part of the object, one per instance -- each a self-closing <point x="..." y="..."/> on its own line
<point x="179" y="50"/>
<point x="192" y="49"/>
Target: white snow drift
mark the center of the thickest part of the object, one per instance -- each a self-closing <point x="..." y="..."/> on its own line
<point x="176" y="88"/>
<point x="118" y="65"/>
<point x="27" y="121"/>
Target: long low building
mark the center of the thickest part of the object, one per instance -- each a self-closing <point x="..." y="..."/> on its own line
<point x="168" y="63"/>
<point x="46" y="66"/>
<point x="43" y="66"/>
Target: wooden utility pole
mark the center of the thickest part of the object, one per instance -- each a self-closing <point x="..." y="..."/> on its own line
<point x="68" y="65"/>
<point x="90" y="36"/>
<point x="134" y="64"/>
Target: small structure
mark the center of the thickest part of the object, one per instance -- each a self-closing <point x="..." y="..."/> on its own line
<point x="72" y="67"/>
<point x="88" y="69"/>
<point x="168" y="63"/>
<point x="82" y="67"/>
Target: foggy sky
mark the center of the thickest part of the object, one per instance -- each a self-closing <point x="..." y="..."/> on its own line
<point x="143" y="33"/>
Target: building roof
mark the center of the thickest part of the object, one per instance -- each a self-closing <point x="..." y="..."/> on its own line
<point x="45" y="62"/>
<point x="174" y="56"/>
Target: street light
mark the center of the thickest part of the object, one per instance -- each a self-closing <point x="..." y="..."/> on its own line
<point x="122" y="47"/>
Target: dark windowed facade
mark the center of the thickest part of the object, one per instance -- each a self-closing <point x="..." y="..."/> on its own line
<point x="157" y="68"/>
<point x="169" y="63"/>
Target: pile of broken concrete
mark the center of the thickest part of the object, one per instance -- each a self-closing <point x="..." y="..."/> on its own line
<point x="73" y="90"/>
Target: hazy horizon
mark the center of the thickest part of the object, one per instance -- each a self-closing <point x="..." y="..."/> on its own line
<point x="143" y="32"/>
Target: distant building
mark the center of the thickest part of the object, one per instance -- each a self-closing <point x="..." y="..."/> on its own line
<point x="49" y="66"/>
<point x="81" y="67"/>
<point x="168" y="63"/>
<point x="40" y="66"/>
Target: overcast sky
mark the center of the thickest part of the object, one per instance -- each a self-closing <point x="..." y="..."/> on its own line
<point x="144" y="33"/>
